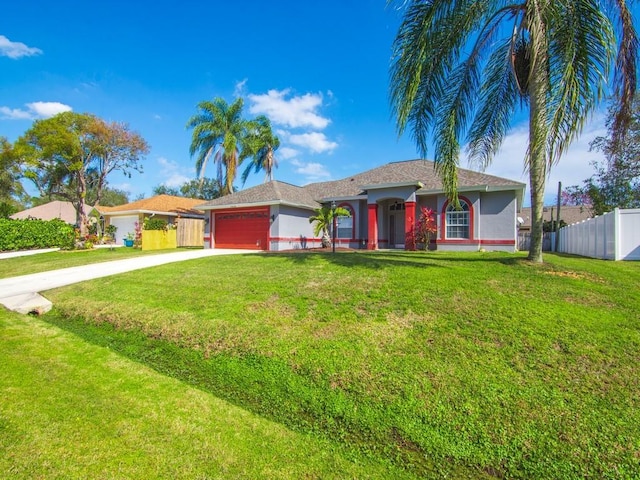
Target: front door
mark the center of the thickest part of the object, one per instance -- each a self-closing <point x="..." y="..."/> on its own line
<point x="396" y="230"/>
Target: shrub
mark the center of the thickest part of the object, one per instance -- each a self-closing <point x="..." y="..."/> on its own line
<point x="154" y="224"/>
<point x="32" y="233"/>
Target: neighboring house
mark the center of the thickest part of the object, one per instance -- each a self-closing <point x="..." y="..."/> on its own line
<point x="570" y="214"/>
<point x="384" y="203"/>
<point x="65" y="211"/>
<point x="166" y="207"/>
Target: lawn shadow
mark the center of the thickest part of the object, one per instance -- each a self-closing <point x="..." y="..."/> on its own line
<point x="394" y="258"/>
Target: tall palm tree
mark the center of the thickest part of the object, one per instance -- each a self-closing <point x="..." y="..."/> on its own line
<point x="218" y="130"/>
<point x="261" y="146"/>
<point x="464" y="68"/>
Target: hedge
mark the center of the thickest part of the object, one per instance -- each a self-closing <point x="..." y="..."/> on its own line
<point x="31" y="233"/>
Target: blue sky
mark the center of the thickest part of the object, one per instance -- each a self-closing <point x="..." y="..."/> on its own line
<point x="319" y="70"/>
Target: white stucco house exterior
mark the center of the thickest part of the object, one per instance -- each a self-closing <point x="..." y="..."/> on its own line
<point x="384" y="203"/>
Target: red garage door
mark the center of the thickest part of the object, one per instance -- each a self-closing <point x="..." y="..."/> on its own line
<point x="242" y="229"/>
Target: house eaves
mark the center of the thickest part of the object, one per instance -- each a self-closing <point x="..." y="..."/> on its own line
<point x="121" y="213"/>
<point x="256" y="204"/>
<point x="343" y="199"/>
<point x="381" y="186"/>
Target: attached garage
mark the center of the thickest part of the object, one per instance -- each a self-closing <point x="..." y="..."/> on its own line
<point x="124" y="224"/>
<point x="242" y="228"/>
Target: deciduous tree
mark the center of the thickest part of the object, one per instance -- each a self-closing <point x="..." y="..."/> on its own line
<point x="71" y="154"/>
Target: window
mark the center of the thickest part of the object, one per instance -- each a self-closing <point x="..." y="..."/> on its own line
<point x="457" y="220"/>
<point x="345" y="224"/>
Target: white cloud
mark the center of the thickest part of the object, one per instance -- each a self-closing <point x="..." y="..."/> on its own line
<point x="314" y="141"/>
<point x="311" y="170"/>
<point x="286" y="153"/>
<point x="14" y="114"/>
<point x="16" y="50"/>
<point x="172" y="173"/>
<point x="34" y="110"/>
<point x="294" y="112"/>
<point x="48" y="109"/>
<point x="240" y="88"/>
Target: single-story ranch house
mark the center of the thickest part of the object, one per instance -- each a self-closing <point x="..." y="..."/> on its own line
<point x="166" y="207"/>
<point x="384" y="203"/>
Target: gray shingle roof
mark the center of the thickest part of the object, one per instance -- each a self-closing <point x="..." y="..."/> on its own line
<point x="273" y="192"/>
<point x="411" y="171"/>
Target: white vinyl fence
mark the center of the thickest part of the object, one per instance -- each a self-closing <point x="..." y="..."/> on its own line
<point x="612" y="236"/>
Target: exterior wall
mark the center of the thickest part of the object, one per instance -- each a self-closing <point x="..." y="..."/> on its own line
<point x="493" y="222"/>
<point x="497" y="224"/>
<point x="291" y="229"/>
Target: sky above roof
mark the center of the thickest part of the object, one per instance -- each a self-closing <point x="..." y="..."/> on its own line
<point x="318" y="70"/>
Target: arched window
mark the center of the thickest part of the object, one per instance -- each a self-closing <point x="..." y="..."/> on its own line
<point x="345" y="224"/>
<point x="457" y="221"/>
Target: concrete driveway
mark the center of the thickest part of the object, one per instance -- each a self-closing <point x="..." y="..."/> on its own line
<point x="21" y="294"/>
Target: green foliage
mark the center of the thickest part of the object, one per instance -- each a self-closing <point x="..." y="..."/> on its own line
<point x="260" y="146"/>
<point x="152" y="223"/>
<point x="205" y="188"/>
<point x="32" y="234"/>
<point x="70" y="155"/>
<point x="219" y="131"/>
<point x="10" y="174"/>
<point x="7" y="209"/>
<point x="323" y="220"/>
<point x="616" y="183"/>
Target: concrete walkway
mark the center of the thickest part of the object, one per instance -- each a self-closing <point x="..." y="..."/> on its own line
<point x="21" y="294"/>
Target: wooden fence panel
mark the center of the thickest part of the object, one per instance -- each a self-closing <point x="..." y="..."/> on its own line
<point x="190" y="232"/>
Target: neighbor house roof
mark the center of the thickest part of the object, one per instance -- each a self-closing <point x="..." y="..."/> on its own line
<point x="570" y="215"/>
<point x="161" y="204"/>
<point x="48" y="211"/>
<point x="419" y="173"/>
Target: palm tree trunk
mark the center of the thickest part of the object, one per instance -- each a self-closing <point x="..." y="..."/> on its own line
<point x="538" y="131"/>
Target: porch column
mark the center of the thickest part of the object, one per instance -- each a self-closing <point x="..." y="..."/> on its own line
<point x="409" y="223"/>
<point x="373" y="226"/>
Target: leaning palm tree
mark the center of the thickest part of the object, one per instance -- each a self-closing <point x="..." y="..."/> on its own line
<point x="323" y="220"/>
<point x="218" y="130"/>
<point x="261" y="145"/>
<point x="465" y="67"/>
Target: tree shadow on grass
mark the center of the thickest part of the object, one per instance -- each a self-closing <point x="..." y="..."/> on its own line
<point x="395" y="258"/>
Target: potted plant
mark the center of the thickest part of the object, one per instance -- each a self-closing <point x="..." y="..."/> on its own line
<point x="128" y="240"/>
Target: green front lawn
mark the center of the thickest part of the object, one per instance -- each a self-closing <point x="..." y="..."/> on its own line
<point x="70" y="409"/>
<point x="42" y="262"/>
<point x="466" y="365"/>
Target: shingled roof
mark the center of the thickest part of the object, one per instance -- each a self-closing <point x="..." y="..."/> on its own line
<point x="159" y="203"/>
<point x="417" y="172"/>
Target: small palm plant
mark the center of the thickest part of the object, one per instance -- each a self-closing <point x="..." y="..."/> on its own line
<point x="323" y="221"/>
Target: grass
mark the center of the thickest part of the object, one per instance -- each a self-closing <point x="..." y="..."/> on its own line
<point x="463" y="365"/>
<point x="11" y="267"/>
<point x="75" y="410"/>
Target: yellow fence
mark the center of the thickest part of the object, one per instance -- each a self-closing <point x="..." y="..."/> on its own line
<point x="159" y="239"/>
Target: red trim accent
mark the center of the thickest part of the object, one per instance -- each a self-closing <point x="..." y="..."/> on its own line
<point x="409" y="221"/>
<point x="443" y="223"/>
<point x="497" y="242"/>
<point x="453" y="241"/>
<point x="372" y="209"/>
